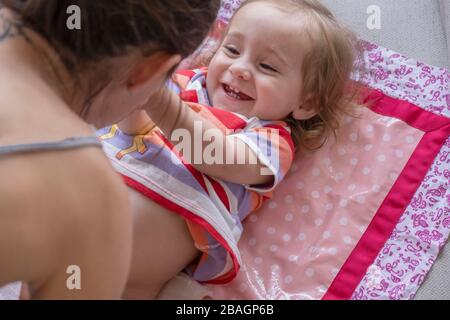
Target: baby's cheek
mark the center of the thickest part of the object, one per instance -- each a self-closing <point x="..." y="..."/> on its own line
<point x="266" y="108"/>
<point x="275" y="97"/>
<point x="210" y="89"/>
<point x="276" y="106"/>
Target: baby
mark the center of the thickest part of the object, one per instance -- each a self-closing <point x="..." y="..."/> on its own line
<point x="278" y="82"/>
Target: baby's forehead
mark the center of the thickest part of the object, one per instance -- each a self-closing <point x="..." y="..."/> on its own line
<point x="267" y="18"/>
<point x="270" y="27"/>
<point x="266" y="11"/>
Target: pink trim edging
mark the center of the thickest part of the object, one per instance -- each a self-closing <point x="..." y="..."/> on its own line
<point x="437" y="131"/>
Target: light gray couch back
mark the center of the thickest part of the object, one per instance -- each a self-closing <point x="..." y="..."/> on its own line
<point x="417" y="28"/>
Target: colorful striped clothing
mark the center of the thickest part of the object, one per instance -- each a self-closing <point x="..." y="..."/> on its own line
<point x="213" y="208"/>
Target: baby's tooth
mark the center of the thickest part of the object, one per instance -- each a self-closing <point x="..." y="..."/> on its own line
<point x="234" y="89"/>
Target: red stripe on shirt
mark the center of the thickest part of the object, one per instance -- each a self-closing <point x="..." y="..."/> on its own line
<point x="284" y="134"/>
<point x="229" y="120"/>
<point x="220" y="191"/>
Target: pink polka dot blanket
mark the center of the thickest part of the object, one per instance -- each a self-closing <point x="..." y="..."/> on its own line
<point x="365" y="216"/>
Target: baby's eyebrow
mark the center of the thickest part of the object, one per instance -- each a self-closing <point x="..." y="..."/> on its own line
<point x="234" y="35"/>
<point x="277" y="54"/>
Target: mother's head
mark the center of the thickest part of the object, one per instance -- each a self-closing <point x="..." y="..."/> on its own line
<point x="124" y="50"/>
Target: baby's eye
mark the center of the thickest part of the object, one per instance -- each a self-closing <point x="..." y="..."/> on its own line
<point x="232" y="50"/>
<point x="268" y="67"/>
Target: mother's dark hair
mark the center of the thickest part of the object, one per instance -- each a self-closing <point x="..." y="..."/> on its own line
<point x="109" y="28"/>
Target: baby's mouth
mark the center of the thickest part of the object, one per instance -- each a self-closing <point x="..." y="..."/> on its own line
<point x="236" y="94"/>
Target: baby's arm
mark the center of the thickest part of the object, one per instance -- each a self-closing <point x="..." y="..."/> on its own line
<point x="169" y="112"/>
<point x="137" y="123"/>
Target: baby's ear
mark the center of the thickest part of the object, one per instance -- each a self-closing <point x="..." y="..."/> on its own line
<point x="307" y="110"/>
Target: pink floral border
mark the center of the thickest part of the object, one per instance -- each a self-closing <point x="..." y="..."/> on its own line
<point x="424" y="227"/>
<point x="227" y="8"/>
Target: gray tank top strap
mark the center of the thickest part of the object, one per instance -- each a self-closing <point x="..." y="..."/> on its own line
<point x="70" y="143"/>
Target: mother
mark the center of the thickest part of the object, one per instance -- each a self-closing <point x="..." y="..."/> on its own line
<point x="61" y="204"/>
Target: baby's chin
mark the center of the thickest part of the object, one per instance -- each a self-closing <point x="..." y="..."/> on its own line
<point x="241" y="107"/>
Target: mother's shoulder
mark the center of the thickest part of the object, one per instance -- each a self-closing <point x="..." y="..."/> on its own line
<point x="70" y="174"/>
<point x="70" y="177"/>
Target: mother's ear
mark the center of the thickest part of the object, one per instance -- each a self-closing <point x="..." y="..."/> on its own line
<point x="149" y="74"/>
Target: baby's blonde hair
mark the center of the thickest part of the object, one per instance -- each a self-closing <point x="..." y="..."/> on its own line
<point x="326" y="70"/>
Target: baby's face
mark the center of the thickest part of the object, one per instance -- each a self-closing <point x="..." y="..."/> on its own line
<point x="257" y="69"/>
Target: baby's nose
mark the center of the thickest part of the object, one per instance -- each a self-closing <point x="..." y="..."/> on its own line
<point x="241" y="72"/>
